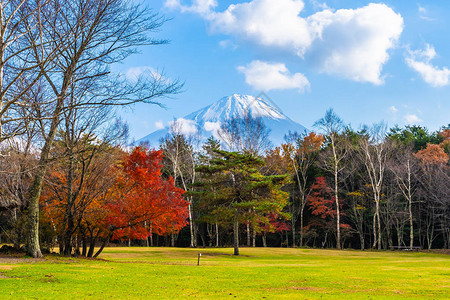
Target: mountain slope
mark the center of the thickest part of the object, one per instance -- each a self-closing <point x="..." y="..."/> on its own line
<point x="207" y="120"/>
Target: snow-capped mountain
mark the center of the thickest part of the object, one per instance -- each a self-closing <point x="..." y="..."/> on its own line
<point x="207" y="121"/>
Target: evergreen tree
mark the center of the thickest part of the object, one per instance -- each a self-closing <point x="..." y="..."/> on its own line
<point x="235" y="191"/>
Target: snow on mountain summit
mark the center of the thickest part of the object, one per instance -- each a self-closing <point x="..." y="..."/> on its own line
<point x="207" y="121"/>
<point x="236" y="106"/>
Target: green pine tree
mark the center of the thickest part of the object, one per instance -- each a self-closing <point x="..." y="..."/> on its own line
<point x="234" y="190"/>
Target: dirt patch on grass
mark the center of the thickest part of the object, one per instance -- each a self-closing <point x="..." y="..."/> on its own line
<point x="298" y="288"/>
<point x="438" y="251"/>
<point x="7" y="267"/>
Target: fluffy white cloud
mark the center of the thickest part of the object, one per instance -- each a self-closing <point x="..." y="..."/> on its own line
<point x="265" y="22"/>
<point x="212" y="126"/>
<point x="412" y="119"/>
<point x="354" y="43"/>
<point x="420" y="61"/>
<point x="272" y="76"/>
<point x="351" y="43"/>
<point x="184" y="126"/>
<point x="159" y="124"/>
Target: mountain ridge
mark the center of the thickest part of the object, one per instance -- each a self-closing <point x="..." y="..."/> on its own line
<point x="207" y="121"/>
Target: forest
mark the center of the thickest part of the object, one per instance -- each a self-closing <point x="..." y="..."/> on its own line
<point x="341" y="188"/>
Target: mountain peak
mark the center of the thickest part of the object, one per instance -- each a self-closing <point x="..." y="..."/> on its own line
<point x="208" y="120"/>
<point x="237" y="106"/>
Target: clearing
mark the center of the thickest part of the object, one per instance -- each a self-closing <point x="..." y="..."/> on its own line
<point x="167" y="273"/>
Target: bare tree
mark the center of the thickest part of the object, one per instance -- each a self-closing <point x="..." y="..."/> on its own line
<point x="181" y="157"/>
<point x="374" y="152"/>
<point x="332" y="159"/>
<point x="404" y="168"/>
<point x="18" y="71"/>
<point x="245" y="134"/>
<point x="89" y="36"/>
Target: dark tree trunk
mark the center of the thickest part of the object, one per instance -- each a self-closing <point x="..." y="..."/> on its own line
<point x="236" y="236"/>
<point x="105" y="242"/>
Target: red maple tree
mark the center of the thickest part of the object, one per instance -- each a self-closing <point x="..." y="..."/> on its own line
<point x="142" y="199"/>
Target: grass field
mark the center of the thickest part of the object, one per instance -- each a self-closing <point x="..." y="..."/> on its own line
<point x="271" y="273"/>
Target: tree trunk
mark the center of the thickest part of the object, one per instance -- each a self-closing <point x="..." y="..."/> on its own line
<point x="302" y="211"/>
<point x="361" y="240"/>
<point x="33" y="248"/>
<point x="105" y="242"/>
<point x="338" y="216"/>
<point x="151" y="235"/>
<point x="264" y="240"/>
<point x="379" y="224"/>
<point x="293" y="233"/>
<point x="172" y="240"/>
<point x="236" y="236"/>
<point x="84" y="251"/>
<point x="254" y="237"/>
<point x="217" y="235"/>
<point x="248" y="235"/>
<point x="191" y="227"/>
<point x="374" y="230"/>
<point x="92" y="246"/>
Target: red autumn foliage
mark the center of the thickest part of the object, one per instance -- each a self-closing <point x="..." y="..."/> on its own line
<point x="276" y="223"/>
<point x="322" y="201"/>
<point x="143" y="199"/>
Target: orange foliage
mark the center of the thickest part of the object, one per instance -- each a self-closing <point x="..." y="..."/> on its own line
<point x="142" y="197"/>
<point x="432" y="154"/>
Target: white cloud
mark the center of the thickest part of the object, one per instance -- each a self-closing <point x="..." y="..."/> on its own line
<point x="202" y="7"/>
<point x="420" y="61"/>
<point x="265" y="22"/>
<point x="272" y="76"/>
<point x="159" y="124"/>
<point x="351" y="43"/>
<point x="393" y="109"/>
<point x="423" y="13"/>
<point x="319" y="5"/>
<point x="354" y="43"/>
<point x="412" y="119"/>
<point x="213" y="127"/>
<point x="184" y="126"/>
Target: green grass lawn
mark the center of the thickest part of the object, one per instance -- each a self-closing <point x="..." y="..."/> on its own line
<point x="272" y="273"/>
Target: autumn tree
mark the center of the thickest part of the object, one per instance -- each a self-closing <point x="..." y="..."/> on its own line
<point x="303" y="157"/>
<point x="435" y="178"/>
<point x="139" y="197"/>
<point x="322" y="203"/>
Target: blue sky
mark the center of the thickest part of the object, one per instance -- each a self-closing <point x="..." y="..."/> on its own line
<point x="383" y="61"/>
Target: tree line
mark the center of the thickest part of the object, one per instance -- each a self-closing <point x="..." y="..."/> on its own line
<point x="338" y="187"/>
